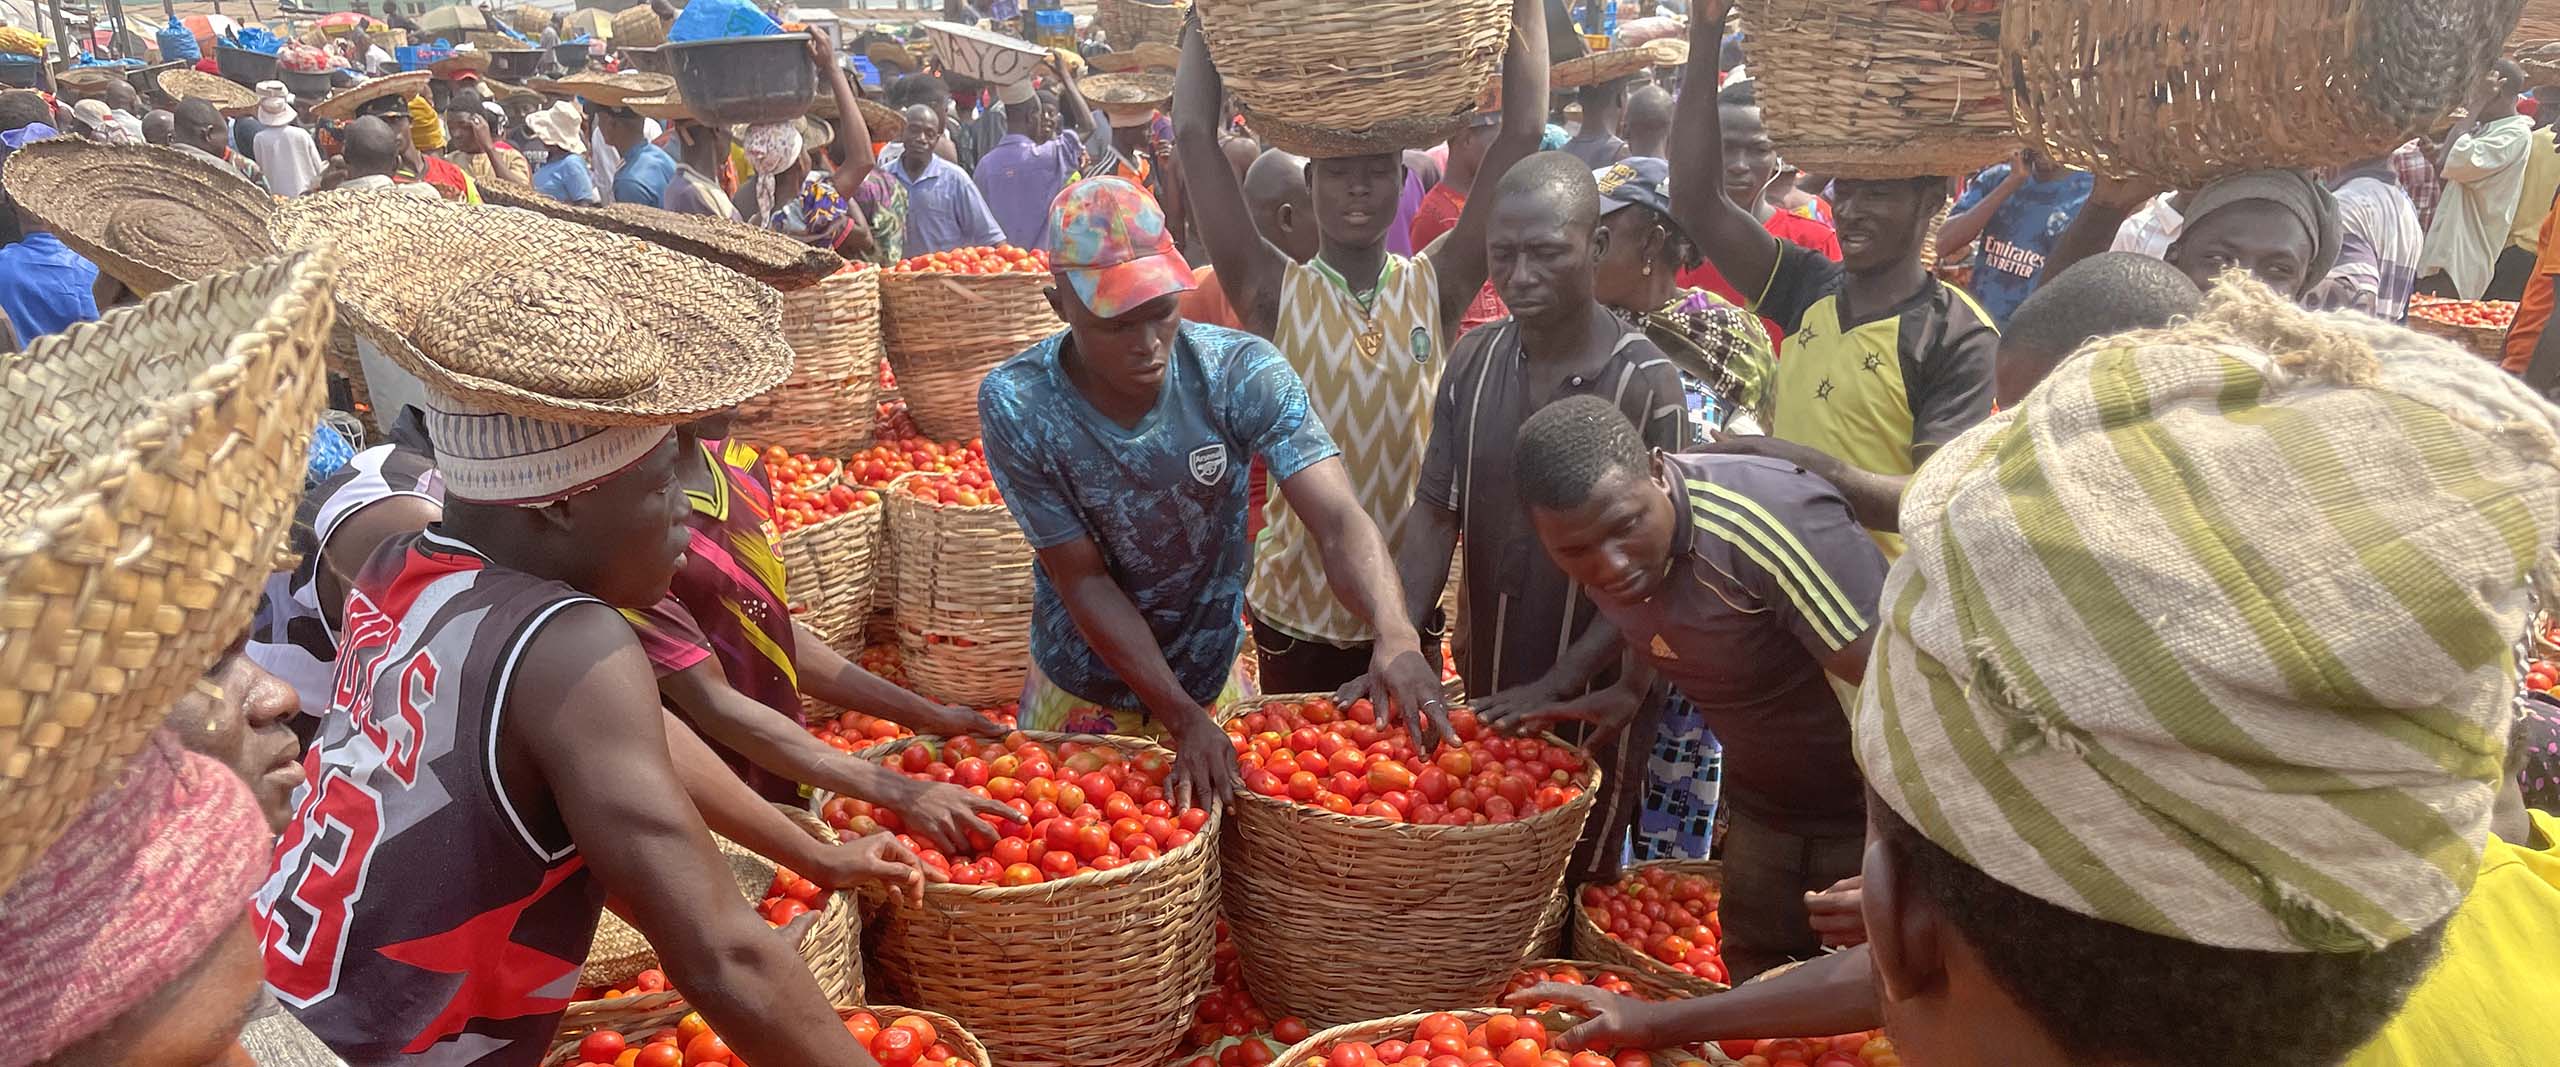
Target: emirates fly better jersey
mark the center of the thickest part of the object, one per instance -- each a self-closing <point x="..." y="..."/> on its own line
<point x="413" y="915"/>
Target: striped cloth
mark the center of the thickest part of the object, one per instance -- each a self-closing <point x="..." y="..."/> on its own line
<point x="2217" y="643"/>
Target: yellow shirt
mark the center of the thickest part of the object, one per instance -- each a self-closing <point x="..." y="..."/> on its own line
<point x="2493" y="1000"/>
<point x="1372" y="385"/>
<point x="2533" y="202"/>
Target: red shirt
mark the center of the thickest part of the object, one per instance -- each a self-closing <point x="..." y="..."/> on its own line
<point x="1436" y="215"/>
<point x="1797" y="229"/>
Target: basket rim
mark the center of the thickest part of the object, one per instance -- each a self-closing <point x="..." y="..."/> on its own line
<point x="940" y="507"/>
<point x="1589" y="778"/>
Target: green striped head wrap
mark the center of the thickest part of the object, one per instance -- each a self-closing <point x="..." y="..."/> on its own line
<point x="2214" y="635"/>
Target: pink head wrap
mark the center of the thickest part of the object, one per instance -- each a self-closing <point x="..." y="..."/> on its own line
<point x="137" y="889"/>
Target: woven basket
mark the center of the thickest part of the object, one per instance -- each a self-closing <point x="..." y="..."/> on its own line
<point x="643" y="1019"/>
<point x="1646" y="986"/>
<point x="1879" y="88"/>
<point x="763" y="255"/>
<point x="638" y="27"/>
<point x="826" y="406"/>
<point x="1099" y="968"/>
<point x="390" y="39"/>
<point x="153" y="461"/>
<point x="530" y="20"/>
<point x="1315" y="900"/>
<point x="1130" y="23"/>
<point x="1341" y="77"/>
<point x="945" y="331"/>
<point x="1600" y="68"/>
<point x="2539" y="21"/>
<point x="2186" y="91"/>
<point x="151" y="217"/>
<point x="832" y="945"/>
<point x="963" y="598"/>
<point x="2486" y="342"/>
<point x="829" y="568"/>
<point x="1592" y="943"/>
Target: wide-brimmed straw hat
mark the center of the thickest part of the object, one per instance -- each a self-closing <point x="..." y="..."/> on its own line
<point x="153" y="460"/>
<point x="229" y="97"/>
<point x="1666" y="51"/>
<point x="1151" y="55"/>
<point x="614" y="90"/>
<point x="465" y="60"/>
<point x="515" y="312"/>
<point x="664" y="107"/>
<point x="151" y="217"/>
<point x="560" y="127"/>
<point x="758" y="253"/>
<point x="1128" y="94"/>
<point x="887" y="56"/>
<point x="884" y="122"/>
<point x="1599" y="68"/>
<point x="343" y="105"/>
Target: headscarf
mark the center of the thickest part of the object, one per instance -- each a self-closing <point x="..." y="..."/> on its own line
<point x="425" y="129"/>
<point x="2308" y="201"/>
<point x="771" y="149"/>
<point x="2214" y="635"/>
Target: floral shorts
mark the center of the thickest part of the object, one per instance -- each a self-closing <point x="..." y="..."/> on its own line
<point x="1047" y="707"/>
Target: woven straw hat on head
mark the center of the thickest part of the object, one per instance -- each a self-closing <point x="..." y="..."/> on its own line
<point x="2213" y="635"/>
<point x="229" y="97"/>
<point x="1141" y="89"/>
<point x="151" y="217"/>
<point x="665" y="107"/>
<point x="343" y="104"/>
<point x="1600" y="68"/>
<point x="758" y="253"/>
<point x="462" y="61"/>
<point x="611" y="90"/>
<point x="153" y="462"/>
<point x="528" y="315"/>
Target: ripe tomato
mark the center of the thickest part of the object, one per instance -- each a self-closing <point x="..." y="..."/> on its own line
<point x="659" y="1054"/>
<point x="600" y="1047"/>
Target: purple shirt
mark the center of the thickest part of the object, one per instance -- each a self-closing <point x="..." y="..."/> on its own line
<point x="1400" y="234"/>
<point x="944" y="211"/>
<point x="1020" y="178"/>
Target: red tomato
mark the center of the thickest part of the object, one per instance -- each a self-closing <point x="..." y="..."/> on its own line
<point x="600" y="1047"/>
<point x="659" y="1055"/>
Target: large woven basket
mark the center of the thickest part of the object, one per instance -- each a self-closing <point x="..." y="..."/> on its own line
<point x="1646" y="986"/>
<point x="829" y="569"/>
<point x="831" y="945"/>
<point x="1315" y="900"/>
<point x="2186" y="91"/>
<point x="1401" y="1027"/>
<point x="638" y="27"/>
<point x="945" y="331"/>
<point x="826" y="406"/>
<point x="1130" y="23"/>
<point x="763" y="255"/>
<point x="2539" y="21"/>
<point x="1354" y="77"/>
<point x="1098" y="968"/>
<point x="1880" y="88"/>
<point x="1592" y="943"/>
<point x="643" y="1019"/>
<point x="963" y="598"/>
<point x="153" y="460"/>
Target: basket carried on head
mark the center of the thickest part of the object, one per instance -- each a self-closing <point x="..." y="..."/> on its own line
<point x="963" y="596"/>
<point x="827" y="405"/>
<point x="1356" y="77"/>
<point x="830" y="568"/>
<point x="1130" y="23"/>
<point x="946" y="330"/>
<point x="1880" y="88"/>
<point x="1315" y="899"/>
<point x="637" y="26"/>
<point x="2539" y="21"/>
<point x="760" y="254"/>
<point x="1100" y="967"/>
<point x="831" y="944"/>
<point x="1593" y="943"/>
<point x="2186" y="91"/>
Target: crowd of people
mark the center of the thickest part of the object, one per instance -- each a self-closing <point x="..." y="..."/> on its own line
<point x="2080" y="616"/>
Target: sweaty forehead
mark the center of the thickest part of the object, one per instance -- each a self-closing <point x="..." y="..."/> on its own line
<point x="2257" y="226"/>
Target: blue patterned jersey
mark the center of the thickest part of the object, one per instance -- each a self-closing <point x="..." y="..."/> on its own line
<point x="1164" y="501"/>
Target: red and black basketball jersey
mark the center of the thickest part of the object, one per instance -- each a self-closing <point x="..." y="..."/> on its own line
<point x="414" y="915"/>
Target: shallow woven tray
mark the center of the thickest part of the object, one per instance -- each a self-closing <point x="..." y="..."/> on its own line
<point x="1315" y="899"/>
<point x="1879" y="88"/>
<point x="150" y="464"/>
<point x="944" y="331"/>
<point x="2186" y="91"/>
<point x="963" y="598"/>
<point x="1099" y="968"/>
<point x="172" y="217"/>
<point x="763" y="255"/>
<point x="1600" y="68"/>
<point x="2486" y="342"/>
<point x="230" y="97"/>
<point x="1356" y="68"/>
<point x="1592" y="943"/>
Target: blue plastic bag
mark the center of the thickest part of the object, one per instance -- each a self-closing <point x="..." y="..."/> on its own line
<point x="254" y="39"/>
<point x="177" y="42"/>
<point x="706" y="20"/>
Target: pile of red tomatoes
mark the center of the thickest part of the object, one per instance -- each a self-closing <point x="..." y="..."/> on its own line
<point x="1344" y="760"/>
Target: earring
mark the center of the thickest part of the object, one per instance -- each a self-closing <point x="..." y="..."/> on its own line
<point x="1648" y="270"/>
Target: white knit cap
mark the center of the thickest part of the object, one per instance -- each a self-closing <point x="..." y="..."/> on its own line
<point x="491" y="457"/>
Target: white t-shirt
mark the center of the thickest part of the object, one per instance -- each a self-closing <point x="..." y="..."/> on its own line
<point x="2483" y="173"/>
<point x="2150" y="231"/>
<point x="289" y="158"/>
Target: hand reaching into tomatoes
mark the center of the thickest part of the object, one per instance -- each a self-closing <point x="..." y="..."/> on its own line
<point x="945" y="720"/>
<point x="1403" y="681"/>
<point x="1613" y="1021"/>
<point x="1204" y="762"/>
<point x="1608" y="709"/>
<point x="949" y="817"/>
<point x="874" y="858"/>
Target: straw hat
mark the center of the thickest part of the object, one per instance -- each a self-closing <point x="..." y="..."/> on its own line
<point x="667" y="107"/>
<point x="559" y="126"/>
<point x="512" y="311"/>
<point x="1667" y="51"/>
<point x="230" y="97"/>
<point x="89" y="79"/>
<point x="612" y="90"/>
<point x="758" y="253"/>
<point x="1599" y="68"/>
<point x="151" y="217"/>
<point x="1152" y="55"/>
<point x="884" y="122"/>
<point x="463" y="61"/>
<point x="343" y="104"/>
<point x="153" y="461"/>
<point x="887" y="56"/>
<point x="1133" y="95"/>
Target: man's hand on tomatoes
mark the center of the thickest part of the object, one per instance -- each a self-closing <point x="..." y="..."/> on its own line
<point x="1608" y="709"/>
<point x="1836" y="915"/>
<point x="1204" y="761"/>
<point x="874" y="858"/>
<point x="947" y="816"/>
<point x="1612" y="1021"/>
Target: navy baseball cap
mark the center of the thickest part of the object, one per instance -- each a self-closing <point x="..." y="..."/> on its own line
<point x="1638" y="181"/>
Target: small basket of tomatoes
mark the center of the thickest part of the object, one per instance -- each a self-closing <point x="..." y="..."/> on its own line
<point x="621" y="967"/>
<point x="963" y="591"/>
<point x="829" y="543"/>
<point x="1474" y="1036"/>
<point x="2479" y="326"/>
<point x="950" y="317"/>
<point x="1079" y="936"/>
<point x="826" y="404"/>
<point x="1366" y="875"/>
<point x="1657" y="920"/>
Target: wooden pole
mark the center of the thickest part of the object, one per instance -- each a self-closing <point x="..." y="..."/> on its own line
<point x="61" y="33"/>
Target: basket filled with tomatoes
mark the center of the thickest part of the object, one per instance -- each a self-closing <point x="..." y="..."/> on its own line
<point x="621" y="971"/>
<point x="1869" y="1048"/>
<point x="901" y="450"/>
<point x="2479" y="326"/>
<point x="1079" y="936"/>
<point x="950" y="317"/>
<point x="963" y="594"/>
<point x="1366" y="875"/>
<point x="826" y="404"/>
<point x="1658" y="920"/>
<point x="829" y="545"/>
<point x="1624" y="981"/>
<point x="1476" y="1036"/>
<point x="679" y="1037"/>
